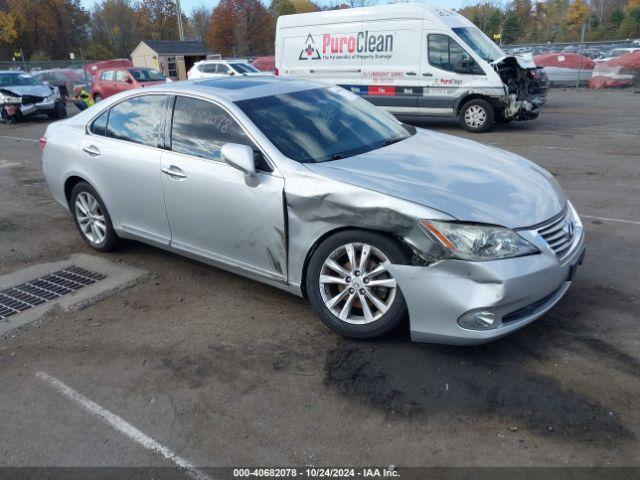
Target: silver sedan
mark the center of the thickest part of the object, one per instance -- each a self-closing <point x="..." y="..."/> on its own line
<point x="310" y="189"/>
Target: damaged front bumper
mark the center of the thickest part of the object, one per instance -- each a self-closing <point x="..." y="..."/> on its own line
<point x="512" y="292"/>
<point x="44" y="105"/>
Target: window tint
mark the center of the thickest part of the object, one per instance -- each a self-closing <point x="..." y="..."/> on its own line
<point x="137" y="120"/>
<point x="207" y="68"/>
<point x="121" y="76"/>
<point x="445" y="53"/>
<point x="107" y="76"/>
<point x="201" y="128"/>
<point x="99" y="125"/>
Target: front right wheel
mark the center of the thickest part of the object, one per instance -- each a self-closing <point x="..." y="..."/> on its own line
<point x="350" y="286"/>
<point x="476" y="116"/>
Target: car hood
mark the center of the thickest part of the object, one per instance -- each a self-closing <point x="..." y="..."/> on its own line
<point x="34" y="90"/>
<point x="462" y="178"/>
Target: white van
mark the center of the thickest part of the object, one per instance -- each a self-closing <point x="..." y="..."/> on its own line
<point x="410" y="59"/>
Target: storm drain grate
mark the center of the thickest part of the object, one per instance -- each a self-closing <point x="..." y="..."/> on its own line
<point x="44" y="289"/>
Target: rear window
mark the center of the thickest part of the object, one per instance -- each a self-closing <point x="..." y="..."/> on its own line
<point x="107" y="76"/>
<point x="207" y="68"/>
<point x="243" y="68"/>
<point x="147" y="75"/>
<point x="99" y="125"/>
<point x="137" y="120"/>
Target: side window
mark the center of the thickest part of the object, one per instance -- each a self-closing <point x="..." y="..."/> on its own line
<point x="107" y="76"/>
<point x="446" y="54"/>
<point x="201" y="128"/>
<point x="207" y="68"/>
<point x="99" y="125"/>
<point x="221" y="68"/>
<point x="121" y="76"/>
<point x="137" y="120"/>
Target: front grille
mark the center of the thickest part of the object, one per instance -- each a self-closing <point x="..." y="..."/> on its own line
<point x="31" y="99"/>
<point x="559" y="232"/>
<point x="44" y="289"/>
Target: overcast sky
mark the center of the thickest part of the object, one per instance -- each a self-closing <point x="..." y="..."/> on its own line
<point x="187" y="5"/>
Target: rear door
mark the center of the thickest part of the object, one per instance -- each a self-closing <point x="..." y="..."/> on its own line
<point x="391" y="64"/>
<point x="122" y="155"/>
<point x="214" y="210"/>
<point x="324" y="52"/>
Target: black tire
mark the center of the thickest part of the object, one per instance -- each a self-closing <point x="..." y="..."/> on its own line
<point x="484" y="109"/>
<point x="397" y="309"/>
<point x="97" y="98"/>
<point x="111" y="240"/>
<point x="59" y="112"/>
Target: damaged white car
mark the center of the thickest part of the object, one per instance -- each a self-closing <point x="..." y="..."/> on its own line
<point x="412" y="60"/>
<point x="315" y="191"/>
<point x="22" y="95"/>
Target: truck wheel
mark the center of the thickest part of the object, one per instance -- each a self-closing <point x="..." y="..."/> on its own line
<point x="476" y="116"/>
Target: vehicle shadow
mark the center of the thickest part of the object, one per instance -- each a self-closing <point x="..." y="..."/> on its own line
<point x="517" y="380"/>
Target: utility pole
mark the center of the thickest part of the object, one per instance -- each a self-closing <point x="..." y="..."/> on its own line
<point x="584" y="27"/>
<point x="180" y="29"/>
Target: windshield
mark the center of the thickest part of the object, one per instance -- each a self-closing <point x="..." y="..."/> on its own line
<point x="243" y="68"/>
<point x="322" y="124"/>
<point x="147" y="75"/>
<point x="15" y="79"/>
<point x="479" y="43"/>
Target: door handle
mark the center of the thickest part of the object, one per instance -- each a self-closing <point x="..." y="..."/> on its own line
<point x="91" y="150"/>
<point x="427" y="74"/>
<point x="411" y="73"/>
<point x="174" y="172"/>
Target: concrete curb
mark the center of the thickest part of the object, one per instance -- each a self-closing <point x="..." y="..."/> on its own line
<point x="118" y="278"/>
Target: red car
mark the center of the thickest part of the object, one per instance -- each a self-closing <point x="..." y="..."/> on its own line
<point x="111" y="81"/>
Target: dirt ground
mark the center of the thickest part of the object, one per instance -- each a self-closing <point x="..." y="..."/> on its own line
<point x="226" y="371"/>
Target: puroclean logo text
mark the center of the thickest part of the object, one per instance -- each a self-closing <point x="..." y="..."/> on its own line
<point x="362" y="42"/>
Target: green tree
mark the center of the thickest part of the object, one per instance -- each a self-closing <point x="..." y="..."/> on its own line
<point x="97" y="51"/>
<point x="630" y="26"/>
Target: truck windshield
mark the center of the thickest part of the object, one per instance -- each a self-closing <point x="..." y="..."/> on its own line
<point x="479" y="43"/>
<point x="322" y="124"/>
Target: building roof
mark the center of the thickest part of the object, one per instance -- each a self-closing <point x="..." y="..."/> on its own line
<point x="170" y="47"/>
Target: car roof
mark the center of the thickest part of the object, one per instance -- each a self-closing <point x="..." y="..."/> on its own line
<point x="237" y="88"/>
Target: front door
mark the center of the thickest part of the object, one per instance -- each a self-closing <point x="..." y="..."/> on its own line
<point x="214" y="211"/>
<point x="447" y="72"/>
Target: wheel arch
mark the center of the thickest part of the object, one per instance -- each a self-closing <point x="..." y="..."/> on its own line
<point x="303" y="287"/>
<point x="473" y="96"/>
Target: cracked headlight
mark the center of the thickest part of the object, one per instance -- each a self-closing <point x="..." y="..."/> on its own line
<point x="466" y="241"/>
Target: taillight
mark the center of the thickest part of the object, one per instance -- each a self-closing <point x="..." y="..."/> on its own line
<point x="42" y="142"/>
<point x="276" y="72"/>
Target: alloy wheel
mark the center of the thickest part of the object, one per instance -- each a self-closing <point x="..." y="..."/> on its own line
<point x="90" y="218"/>
<point x="355" y="283"/>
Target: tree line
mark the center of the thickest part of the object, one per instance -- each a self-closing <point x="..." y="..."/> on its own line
<point x="52" y="29"/>
<point x="529" y="21"/>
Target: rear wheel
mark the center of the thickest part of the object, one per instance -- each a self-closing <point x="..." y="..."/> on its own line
<point x="91" y="218"/>
<point x="351" y="288"/>
<point x="476" y="116"/>
<point x="97" y="98"/>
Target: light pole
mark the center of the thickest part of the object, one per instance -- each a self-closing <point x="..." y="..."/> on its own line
<point x="180" y="29"/>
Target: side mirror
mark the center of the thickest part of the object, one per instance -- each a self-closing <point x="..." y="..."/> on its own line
<point x="129" y="80"/>
<point x="239" y="157"/>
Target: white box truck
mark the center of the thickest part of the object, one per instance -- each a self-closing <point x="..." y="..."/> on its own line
<point x="411" y="59"/>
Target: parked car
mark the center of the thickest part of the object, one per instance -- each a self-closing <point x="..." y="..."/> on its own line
<point x="222" y="68"/>
<point x="112" y="81"/>
<point x="22" y="95"/>
<point x="265" y="64"/>
<point x="65" y="79"/>
<point x="311" y="189"/>
<point x="93" y="68"/>
<point x="416" y="60"/>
